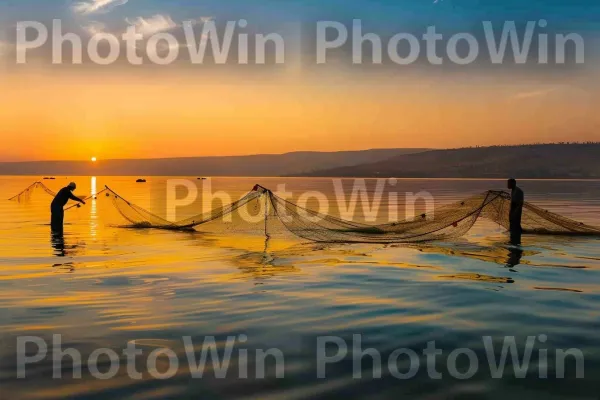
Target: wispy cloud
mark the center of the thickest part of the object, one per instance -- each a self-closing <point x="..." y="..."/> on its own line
<point x="150" y="26"/>
<point x="94" y="28"/>
<point x="160" y="23"/>
<point x="96" y="6"/>
<point x="146" y="26"/>
<point x="535" y="93"/>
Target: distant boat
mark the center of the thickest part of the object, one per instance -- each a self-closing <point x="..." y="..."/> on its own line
<point x="141" y="180"/>
<point x="203" y="179"/>
<point x="49" y="178"/>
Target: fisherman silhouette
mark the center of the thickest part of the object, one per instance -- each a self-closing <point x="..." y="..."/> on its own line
<point x="57" y="207"/>
<point x="517" y="198"/>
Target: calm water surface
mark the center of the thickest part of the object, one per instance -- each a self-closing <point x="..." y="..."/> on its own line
<point x="105" y="286"/>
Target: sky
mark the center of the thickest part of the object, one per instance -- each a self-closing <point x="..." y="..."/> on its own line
<point x="75" y="112"/>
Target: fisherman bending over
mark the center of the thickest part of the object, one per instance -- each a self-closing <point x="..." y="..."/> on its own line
<point x="57" y="207"/>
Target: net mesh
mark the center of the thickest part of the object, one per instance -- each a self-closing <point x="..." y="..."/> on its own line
<point x="27" y="194"/>
<point x="535" y="220"/>
<point x="447" y="222"/>
<point x="264" y="211"/>
<point x="141" y="218"/>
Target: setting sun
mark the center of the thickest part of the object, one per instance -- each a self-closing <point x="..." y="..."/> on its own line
<point x="94" y="159"/>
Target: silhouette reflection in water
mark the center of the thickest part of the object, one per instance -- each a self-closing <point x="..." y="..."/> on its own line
<point x="515" y="253"/>
<point x="61" y="249"/>
<point x="58" y="243"/>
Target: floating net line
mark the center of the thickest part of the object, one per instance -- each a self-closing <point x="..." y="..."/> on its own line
<point x="262" y="210"/>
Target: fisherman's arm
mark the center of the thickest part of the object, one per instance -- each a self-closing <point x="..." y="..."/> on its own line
<point x="75" y="198"/>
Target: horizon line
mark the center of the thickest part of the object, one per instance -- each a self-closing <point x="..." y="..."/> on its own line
<point x="425" y="149"/>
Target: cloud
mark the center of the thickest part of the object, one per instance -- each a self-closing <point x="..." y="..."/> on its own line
<point x="146" y="26"/>
<point x="150" y="26"/>
<point x="535" y="93"/>
<point x="160" y="23"/>
<point x="96" y="6"/>
<point x="94" y="28"/>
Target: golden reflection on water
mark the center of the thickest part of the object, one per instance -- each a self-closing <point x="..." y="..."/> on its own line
<point x="479" y="278"/>
<point x="93" y="208"/>
<point x="103" y="284"/>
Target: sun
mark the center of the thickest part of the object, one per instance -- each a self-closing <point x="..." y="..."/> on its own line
<point x="94" y="159"/>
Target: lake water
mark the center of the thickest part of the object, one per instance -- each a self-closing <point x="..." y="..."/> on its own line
<point x="105" y="286"/>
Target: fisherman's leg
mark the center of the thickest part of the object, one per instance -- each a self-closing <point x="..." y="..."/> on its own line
<point x="56" y="222"/>
<point x="53" y="221"/>
<point x="515" y="232"/>
<point x="515" y="237"/>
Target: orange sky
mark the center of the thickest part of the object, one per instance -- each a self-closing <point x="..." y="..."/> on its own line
<point x="75" y="112"/>
<point x="68" y="116"/>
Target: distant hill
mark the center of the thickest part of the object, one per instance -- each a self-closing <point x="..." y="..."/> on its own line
<point x="527" y="161"/>
<point x="254" y="165"/>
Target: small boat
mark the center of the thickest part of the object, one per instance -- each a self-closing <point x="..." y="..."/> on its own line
<point x="141" y="180"/>
<point x="202" y="179"/>
<point x="49" y="178"/>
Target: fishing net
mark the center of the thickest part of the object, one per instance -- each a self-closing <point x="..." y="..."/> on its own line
<point x="141" y="218"/>
<point x="27" y="194"/>
<point x="535" y="220"/>
<point x="261" y="210"/>
<point x="446" y="222"/>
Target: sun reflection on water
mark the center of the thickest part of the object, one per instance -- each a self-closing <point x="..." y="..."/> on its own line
<point x="93" y="208"/>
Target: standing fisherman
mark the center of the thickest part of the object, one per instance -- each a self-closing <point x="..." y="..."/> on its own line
<point x="517" y="198"/>
<point x="57" y="207"/>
